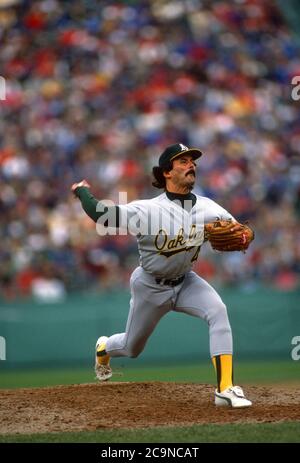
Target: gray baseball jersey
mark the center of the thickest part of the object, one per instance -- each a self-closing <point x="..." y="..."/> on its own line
<point x="169" y="236"/>
<point x="169" y="240"/>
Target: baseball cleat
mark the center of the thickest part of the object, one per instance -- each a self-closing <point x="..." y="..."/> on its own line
<point x="102" y="368"/>
<point x="233" y="397"/>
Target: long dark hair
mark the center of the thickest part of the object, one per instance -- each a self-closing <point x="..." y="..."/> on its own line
<point x="158" y="174"/>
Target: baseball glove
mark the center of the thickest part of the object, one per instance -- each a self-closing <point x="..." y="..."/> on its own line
<point x="226" y="235"/>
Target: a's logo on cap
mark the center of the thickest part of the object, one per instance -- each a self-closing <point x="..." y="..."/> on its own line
<point x="183" y="147"/>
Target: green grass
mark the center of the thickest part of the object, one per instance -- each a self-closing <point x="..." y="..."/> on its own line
<point x="269" y="432"/>
<point x="245" y="373"/>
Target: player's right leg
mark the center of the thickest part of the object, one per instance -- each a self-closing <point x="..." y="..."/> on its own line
<point x="199" y="299"/>
<point x="148" y="304"/>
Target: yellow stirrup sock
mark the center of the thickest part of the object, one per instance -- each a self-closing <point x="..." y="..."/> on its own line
<point x="224" y="370"/>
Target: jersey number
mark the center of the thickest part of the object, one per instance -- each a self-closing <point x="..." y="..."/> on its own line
<point x="195" y="256"/>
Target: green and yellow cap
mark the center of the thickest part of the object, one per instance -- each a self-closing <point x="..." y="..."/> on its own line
<point x="174" y="151"/>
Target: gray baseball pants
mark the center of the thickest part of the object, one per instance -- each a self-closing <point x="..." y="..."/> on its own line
<point x="151" y="301"/>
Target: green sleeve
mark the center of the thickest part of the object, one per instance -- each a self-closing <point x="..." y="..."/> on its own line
<point x="89" y="205"/>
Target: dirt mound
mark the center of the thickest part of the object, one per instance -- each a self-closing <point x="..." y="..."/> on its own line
<point x="135" y="405"/>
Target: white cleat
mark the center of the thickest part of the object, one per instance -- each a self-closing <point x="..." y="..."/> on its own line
<point x="102" y="367"/>
<point x="232" y="397"/>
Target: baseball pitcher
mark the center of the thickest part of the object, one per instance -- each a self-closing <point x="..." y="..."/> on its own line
<point x="170" y="230"/>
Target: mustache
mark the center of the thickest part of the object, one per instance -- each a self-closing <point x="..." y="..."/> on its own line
<point x="191" y="171"/>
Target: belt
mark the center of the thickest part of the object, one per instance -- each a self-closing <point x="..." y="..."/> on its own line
<point x="174" y="282"/>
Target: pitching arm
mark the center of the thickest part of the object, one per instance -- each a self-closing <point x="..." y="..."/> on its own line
<point x="91" y="205"/>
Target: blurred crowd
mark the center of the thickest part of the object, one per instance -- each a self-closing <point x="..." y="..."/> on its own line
<point x="97" y="89"/>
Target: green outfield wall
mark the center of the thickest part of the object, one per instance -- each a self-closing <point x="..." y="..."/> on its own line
<point x="290" y="10"/>
<point x="264" y="322"/>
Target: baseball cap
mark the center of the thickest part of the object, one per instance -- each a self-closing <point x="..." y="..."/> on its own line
<point x="173" y="151"/>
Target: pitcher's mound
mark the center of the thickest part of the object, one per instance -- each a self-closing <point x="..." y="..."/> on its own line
<point x="132" y="405"/>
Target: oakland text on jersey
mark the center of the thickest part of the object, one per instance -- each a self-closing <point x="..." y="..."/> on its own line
<point x="168" y="246"/>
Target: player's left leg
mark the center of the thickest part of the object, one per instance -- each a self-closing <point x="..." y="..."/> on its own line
<point x="199" y="299"/>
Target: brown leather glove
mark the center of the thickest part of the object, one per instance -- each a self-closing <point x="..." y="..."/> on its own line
<point x="226" y="235"/>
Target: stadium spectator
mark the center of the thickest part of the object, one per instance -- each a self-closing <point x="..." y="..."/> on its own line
<point x="96" y="90"/>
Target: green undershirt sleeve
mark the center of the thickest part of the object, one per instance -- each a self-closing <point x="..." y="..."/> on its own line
<point x="89" y="205"/>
